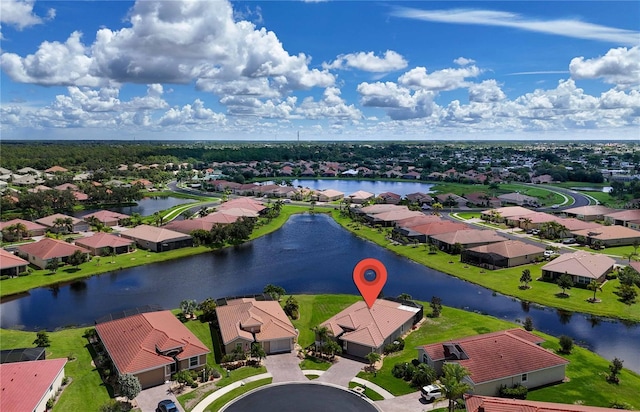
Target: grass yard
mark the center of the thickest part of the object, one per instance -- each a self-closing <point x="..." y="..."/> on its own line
<point x="507" y="281"/>
<point x="315" y="309"/>
<point x="546" y="197"/>
<point x="369" y="393"/>
<point x="311" y="363"/>
<point x="223" y="400"/>
<point x="86" y="392"/>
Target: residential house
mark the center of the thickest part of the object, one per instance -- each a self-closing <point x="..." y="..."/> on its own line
<point x="107" y="217"/>
<point x="518" y="199"/>
<point x="34" y="229"/>
<point x="583" y="267"/>
<point x="465" y="238"/>
<point x="225" y="217"/>
<point x="451" y="200"/>
<point x="542" y="179"/>
<point x="361" y="330"/>
<point x="423" y="233"/>
<point x="147" y="184"/>
<point x="589" y="213"/>
<point x="26" y="180"/>
<point x="378" y="208"/>
<point x="151" y="346"/>
<point x="40" y="253"/>
<point x="329" y="195"/>
<point x="23" y="354"/>
<point x="510" y="357"/>
<point x="412" y="175"/>
<point x="531" y="220"/>
<point x="481" y="199"/>
<point x="501" y="214"/>
<point x="67" y="186"/>
<point x="476" y="403"/>
<point x="417" y="220"/>
<point x="27" y="386"/>
<point x="502" y="254"/>
<point x="247" y="320"/>
<point x="157" y="239"/>
<point x="361" y="196"/>
<point x="420" y="198"/>
<point x="11" y="265"/>
<point x="572" y="224"/>
<point x="391" y="217"/>
<point x="189" y="225"/>
<point x="243" y="203"/>
<point x="101" y="244"/>
<point x="56" y="169"/>
<point x="628" y="218"/>
<point x="390" y="198"/>
<point x="609" y="236"/>
<point x="77" y="225"/>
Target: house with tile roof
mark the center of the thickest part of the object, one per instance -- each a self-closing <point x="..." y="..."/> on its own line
<point x="424" y="232"/>
<point x="34" y="229"/>
<point x="518" y="199"/>
<point x="11" y="265"/>
<point x="40" y="253"/>
<point x="56" y="169"/>
<point x="361" y="330"/>
<point x="505" y="254"/>
<point x="510" y="357"/>
<point x="27" y="386"/>
<point x="107" y="217"/>
<point x="589" y="213"/>
<point x="503" y="213"/>
<point x="101" y="244"/>
<point x="476" y="403"/>
<point x="391" y="217"/>
<point x="583" y="267"/>
<point x="360" y="197"/>
<point x="329" y="195"/>
<point x="609" y="235"/>
<point x="151" y="346"/>
<point x="390" y="198"/>
<point x="629" y="218"/>
<point x="78" y="225"/>
<point x="467" y="238"/>
<point x="243" y="203"/>
<point x="247" y="320"/>
<point x="157" y="239"/>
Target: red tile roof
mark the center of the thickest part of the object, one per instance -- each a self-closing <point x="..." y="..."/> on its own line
<point x="48" y="220"/>
<point x="418" y="220"/>
<point x="369" y="327"/>
<point x="221" y="217"/>
<point x="468" y="236"/>
<point x="25" y="384"/>
<point x="436" y="228"/>
<point x="48" y="248"/>
<point x="239" y="315"/>
<point x="133" y="342"/>
<point x="100" y="240"/>
<point x="498" y="355"/>
<point x="475" y="403"/>
<point x="608" y="233"/>
<point x="509" y="249"/>
<point x="29" y="225"/>
<point x="9" y="260"/>
<point x="189" y="225"/>
<point x="244" y="203"/>
<point x="106" y="216"/>
<point x="153" y="234"/>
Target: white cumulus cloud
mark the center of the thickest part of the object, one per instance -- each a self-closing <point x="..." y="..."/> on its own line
<point x="369" y="62"/>
<point x="620" y="66"/>
<point x="19" y="13"/>
<point x="446" y="79"/>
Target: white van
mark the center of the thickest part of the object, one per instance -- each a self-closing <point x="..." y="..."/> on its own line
<point x="431" y="392"/>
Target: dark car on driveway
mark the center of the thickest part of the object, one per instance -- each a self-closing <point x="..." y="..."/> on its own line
<point x="167" y="405"/>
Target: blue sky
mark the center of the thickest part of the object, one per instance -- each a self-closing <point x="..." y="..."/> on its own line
<point x="328" y="70"/>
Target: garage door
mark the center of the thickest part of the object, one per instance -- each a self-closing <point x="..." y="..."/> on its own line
<point x="282" y="345"/>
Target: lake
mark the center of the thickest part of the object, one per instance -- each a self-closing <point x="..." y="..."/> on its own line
<point x="309" y="254"/>
<point x="373" y="186"/>
<point x="146" y="206"/>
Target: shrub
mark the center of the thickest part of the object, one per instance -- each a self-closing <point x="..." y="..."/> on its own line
<point x="50" y="403"/>
<point x="194" y="384"/>
<point x="65" y="380"/>
<point x="4" y="277"/>
<point x="528" y="324"/>
<point x="396" y="346"/>
<point x="566" y="344"/>
<point x="399" y="369"/>
<point x="515" y="392"/>
<point x="215" y="373"/>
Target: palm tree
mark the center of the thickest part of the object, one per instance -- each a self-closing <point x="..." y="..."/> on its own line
<point x="525" y="278"/>
<point x="594" y="286"/>
<point x="322" y="335"/>
<point x="452" y="383"/>
<point x="436" y="208"/>
<point x="525" y="222"/>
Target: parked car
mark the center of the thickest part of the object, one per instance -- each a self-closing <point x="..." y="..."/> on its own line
<point x="549" y="253"/>
<point x="431" y="392"/>
<point x="568" y="241"/>
<point x="167" y="405"/>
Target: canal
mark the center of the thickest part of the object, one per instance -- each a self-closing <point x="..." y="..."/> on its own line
<point x="309" y="254"/>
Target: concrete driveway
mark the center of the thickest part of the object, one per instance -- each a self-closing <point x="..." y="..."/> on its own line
<point x="285" y="367"/>
<point x="409" y="403"/>
<point x="148" y="399"/>
<point x="342" y="371"/>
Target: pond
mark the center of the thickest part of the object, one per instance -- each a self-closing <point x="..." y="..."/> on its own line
<point x="146" y="206"/>
<point x="605" y="189"/>
<point x="309" y="254"/>
<point x="372" y="186"/>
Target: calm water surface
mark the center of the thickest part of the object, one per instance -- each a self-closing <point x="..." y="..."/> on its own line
<point x="146" y="206"/>
<point x="371" y="186"/>
<point x="310" y="254"/>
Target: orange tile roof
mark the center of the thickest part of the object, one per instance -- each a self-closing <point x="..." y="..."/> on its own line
<point x="244" y="203"/>
<point x="509" y="249"/>
<point x="189" y="225"/>
<point x="48" y="248"/>
<point x="631" y="214"/>
<point x="587" y="265"/>
<point x="469" y="236"/>
<point x="476" y="403"/>
<point x="418" y="220"/>
<point x="499" y="355"/>
<point x="133" y="342"/>
<point x="608" y="232"/>
<point x="221" y="217"/>
<point x="153" y="234"/>
<point x="436" y="228"/>
<point x="105" y="216"/>
<point x="25" y="384"/>
<point x="9" y="260"/>
<point x="48" y="220"/>
<point x="242" y="314"/>
<point x="100" y="240"/>
<point x="369" y="327"/>
<point x="29" y="225"/>
<point x="395" y="215"/>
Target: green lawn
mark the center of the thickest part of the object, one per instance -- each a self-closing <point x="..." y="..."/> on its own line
<point x="223" y="400"/>
<point x="313" y="363"/>
<point x="42" y="277"/>
<point x="546" y="197"/>
<point x="369" y="393"/>
<point x="507" y="281"/>
<point x="315" y="309"/>
<point x="86" y="391"/>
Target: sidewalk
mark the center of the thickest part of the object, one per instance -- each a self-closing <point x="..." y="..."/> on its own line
<point x="200" y="407"/>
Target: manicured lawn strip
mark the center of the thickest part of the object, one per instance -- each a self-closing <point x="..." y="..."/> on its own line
<point x="239" y="374"/>
<point x="86" y="391"/>
<point x="312" y="377"/>
<point x="313" y="364"/>
<point x="507" y="281"/>
<point x="315" y="309"/>
<point x="621" y="251"/>
<point x="223" y="400"/>
<point x="467" y="215"/>
<point x="43" y="277"/>
<point x="369" y="393"/>
<point x="180" y="195"/>
<point x="546" y="196"/>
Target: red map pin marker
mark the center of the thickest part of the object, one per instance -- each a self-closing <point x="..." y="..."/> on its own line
<point x="370" y="289"/>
